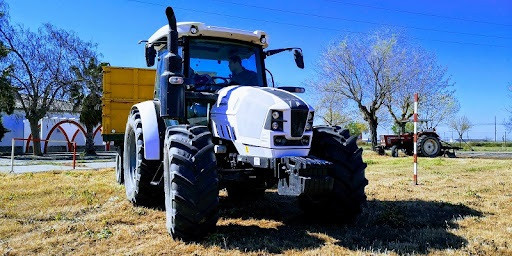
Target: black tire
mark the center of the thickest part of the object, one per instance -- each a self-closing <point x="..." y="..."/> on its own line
<point x="394" y="151"/>
<point x="139" y="172"/>
<point x="119" y="165"/>
<point x="429" y="146"/>
<point x="345" y="201"/>
<point x="190" y="182"/>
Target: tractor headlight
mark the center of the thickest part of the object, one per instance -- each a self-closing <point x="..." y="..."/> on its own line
<point x="309" y="124"/>
<point x="275" y="115"/>
<point x="305" y="140"/>
<point x="275" y="126"/>
<point x="275" y="120"/>
<point x="310" y="116"/>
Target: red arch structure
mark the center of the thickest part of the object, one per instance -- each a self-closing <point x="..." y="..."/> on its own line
<point x="27" y="147"/>
<point x="57" y="126"/>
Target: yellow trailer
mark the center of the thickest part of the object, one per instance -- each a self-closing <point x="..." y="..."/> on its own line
<point x="122" y="88"/>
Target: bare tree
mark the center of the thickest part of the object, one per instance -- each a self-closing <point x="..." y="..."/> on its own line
<point x="420" y="74"/>
<point x="41" y="65"/>
<point x="461" y="125"/>
<point x="330" y="110"/>
<point x="361" y="69"/>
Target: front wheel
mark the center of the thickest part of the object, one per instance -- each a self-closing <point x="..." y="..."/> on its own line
<point x="138" y="171"/>
<point x="190" y="182"/>
<point x="394" y="151"/>
<point x="344" y="202"/>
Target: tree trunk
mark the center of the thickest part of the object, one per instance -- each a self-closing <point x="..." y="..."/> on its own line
<point x="402" y="127"/>
<point x="36" y="138"/>
<point x="89" y="141"/>
<point x="372" y="123"/>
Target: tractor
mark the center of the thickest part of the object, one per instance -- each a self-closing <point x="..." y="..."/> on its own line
<point x="209" y="127"/>
<point x="429" y="144"/>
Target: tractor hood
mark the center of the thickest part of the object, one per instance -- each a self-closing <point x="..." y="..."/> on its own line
<point x="243" y="114"/>
<point x="256" y="99"/>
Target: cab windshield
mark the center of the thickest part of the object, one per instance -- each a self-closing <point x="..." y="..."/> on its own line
<point x="219" y="63"/>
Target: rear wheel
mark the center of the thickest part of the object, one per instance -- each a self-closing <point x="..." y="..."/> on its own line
<point x="344" y="202"/>
<point x="429" y="146"/>
<point x="139" y="172"/>
<point x="190" y="182"/>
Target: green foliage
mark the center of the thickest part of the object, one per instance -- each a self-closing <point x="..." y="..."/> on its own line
<point x="7" y="95"/>
<point x="409" y="127"/>
<point x="357" y="128"/>
<point x="90" y="115"/>
<point x="86" y="94"/>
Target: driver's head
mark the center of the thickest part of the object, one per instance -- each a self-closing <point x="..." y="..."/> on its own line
<point x="235" y="64"/>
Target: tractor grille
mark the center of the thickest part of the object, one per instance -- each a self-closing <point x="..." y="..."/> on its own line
<point x="298" y="123"/>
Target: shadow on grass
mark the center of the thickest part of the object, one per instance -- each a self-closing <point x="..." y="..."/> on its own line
<point x="404" y="227"/>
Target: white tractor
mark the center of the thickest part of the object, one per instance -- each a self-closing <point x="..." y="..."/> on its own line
<point x="215" y="123"/>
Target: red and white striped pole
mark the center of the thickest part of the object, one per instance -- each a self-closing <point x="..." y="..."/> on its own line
<point x="415" y="139"/>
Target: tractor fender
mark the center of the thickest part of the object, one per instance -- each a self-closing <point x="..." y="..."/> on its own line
<point x="148" y="117"/>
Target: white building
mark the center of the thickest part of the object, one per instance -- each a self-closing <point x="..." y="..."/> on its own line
<point x="60" y="127"/>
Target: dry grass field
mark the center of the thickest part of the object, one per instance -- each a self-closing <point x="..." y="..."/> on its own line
<point x="461" y="207"/>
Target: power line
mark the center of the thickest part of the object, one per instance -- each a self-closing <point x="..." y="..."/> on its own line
<point x="313" y="27"/>
<point x="361" y="21"/>
<point x="419" y="13"/>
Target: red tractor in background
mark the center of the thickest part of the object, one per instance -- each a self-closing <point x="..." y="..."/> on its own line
<point x="429" y="144"/>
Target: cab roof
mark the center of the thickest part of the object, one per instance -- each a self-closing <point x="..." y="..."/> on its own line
<point x="159" y="38"/>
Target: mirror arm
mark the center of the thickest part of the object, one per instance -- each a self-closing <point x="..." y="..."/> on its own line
<point x="276" y="51"/>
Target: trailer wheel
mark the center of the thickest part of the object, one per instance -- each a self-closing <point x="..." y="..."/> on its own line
<point x="119" y="165"/>
<point x="428" y="146"/>
<point x="394" y="151"/>
<point x="344" y="202"/>
<point x="190" y="182"/>
<point x="139" y="172"/>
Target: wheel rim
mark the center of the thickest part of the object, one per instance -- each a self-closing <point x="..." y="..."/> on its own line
<point x="132" y="159"/>
<point x="430" y="147"/>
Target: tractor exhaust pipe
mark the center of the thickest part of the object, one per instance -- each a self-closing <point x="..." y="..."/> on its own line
<point x="172" y="89"/>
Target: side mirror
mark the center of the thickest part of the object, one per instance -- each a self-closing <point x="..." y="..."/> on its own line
<point x="150" y="56"/>
<point x="292" y="89"/>
<point x="299" y="58"/>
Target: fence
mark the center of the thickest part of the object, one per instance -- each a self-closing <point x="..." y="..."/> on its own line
<point x="23" y="139"/>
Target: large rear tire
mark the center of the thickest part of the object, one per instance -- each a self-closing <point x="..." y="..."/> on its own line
<point x="190" y="182"/>
<point x="139" y="172"/>
<point x="429" y="146"/>
<point x="344" y="203"/>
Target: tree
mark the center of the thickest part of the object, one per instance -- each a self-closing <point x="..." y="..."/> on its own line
<point x="330" y="111"/>
<point x="420" y="74"/>
<point x="86" y="94"/>
<point x="7" y="95"/>
<point x="408" y="127"/>
<point x="41" y="68"/>
<point x="361" y="69"/>
<point x="461" y="125"/>
<point x="357" y="128"/>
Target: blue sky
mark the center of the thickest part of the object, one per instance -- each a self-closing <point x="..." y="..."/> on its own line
<point x="476" y="46"/>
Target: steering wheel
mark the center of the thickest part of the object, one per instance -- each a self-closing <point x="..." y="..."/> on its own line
<point x="225" y="80"/>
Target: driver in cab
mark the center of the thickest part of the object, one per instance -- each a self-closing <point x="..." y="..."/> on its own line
<point x="240" y="75"/>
